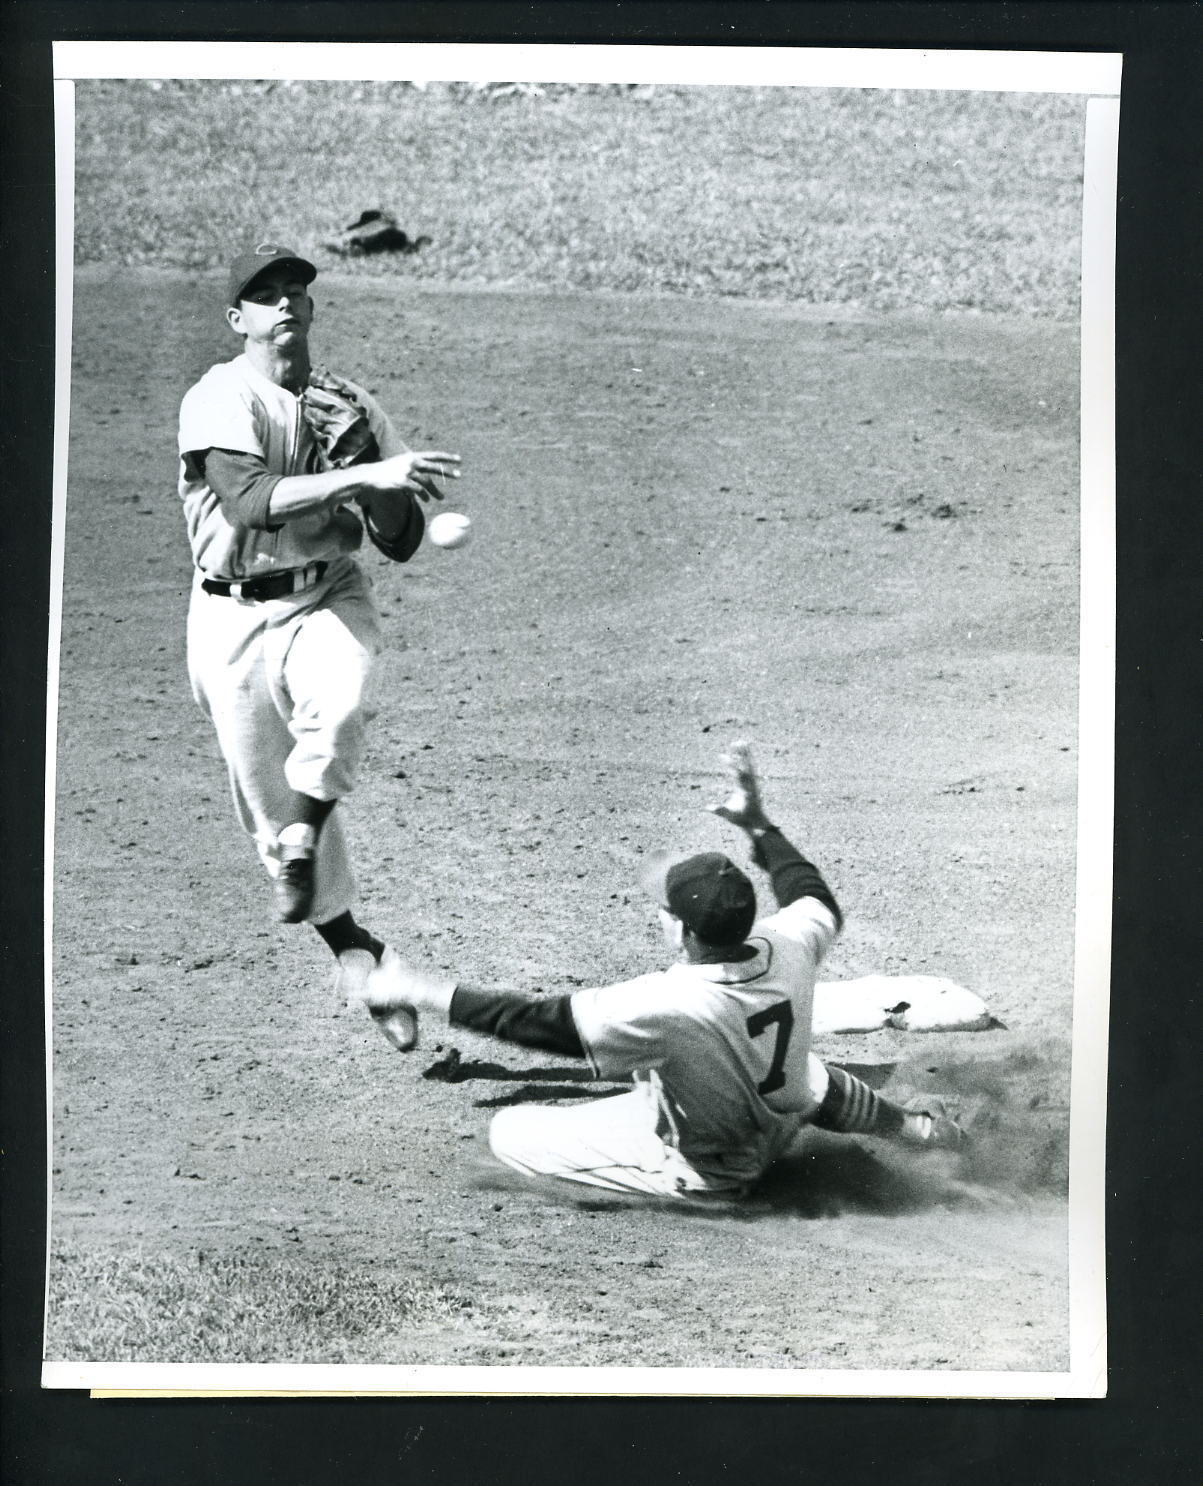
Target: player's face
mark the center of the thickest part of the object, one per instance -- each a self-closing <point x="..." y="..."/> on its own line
<point x="275" y="310"/>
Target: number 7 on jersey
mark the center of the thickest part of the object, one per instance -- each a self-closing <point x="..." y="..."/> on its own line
<point x="780" y="1013"/>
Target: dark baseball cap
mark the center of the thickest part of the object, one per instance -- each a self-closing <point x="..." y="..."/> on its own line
<point x="707" y="892"/>
<point x="253" y="261"/>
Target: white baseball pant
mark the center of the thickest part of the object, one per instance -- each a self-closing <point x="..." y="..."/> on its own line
<point x="285" y="683"/>
<point x="613" y="1144"/>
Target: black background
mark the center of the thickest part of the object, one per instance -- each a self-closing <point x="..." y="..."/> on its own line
<point x="1148" y="1429"/>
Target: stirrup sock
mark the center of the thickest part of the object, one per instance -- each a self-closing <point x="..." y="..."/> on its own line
<point x="851" y="1107"/>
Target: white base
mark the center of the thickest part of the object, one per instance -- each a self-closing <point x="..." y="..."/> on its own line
<point x="912" y="1003"/>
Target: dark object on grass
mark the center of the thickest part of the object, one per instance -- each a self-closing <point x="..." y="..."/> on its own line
<point x="375" y="232"/>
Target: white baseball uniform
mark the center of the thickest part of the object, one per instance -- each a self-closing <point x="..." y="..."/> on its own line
<point x="285" y="679"/>
<point x="721" y="1061"/>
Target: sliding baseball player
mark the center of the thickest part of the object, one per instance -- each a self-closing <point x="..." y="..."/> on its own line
<point x="717" y="1046"/>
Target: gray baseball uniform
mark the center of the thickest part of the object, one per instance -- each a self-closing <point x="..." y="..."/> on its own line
<point x="718" y="1052"/>
<point x="284" y="678"/>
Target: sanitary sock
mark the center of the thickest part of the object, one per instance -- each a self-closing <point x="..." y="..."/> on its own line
<point x="851" y="1107"/>
<point x="344" y="933"/>
<point x="313" y="812"/>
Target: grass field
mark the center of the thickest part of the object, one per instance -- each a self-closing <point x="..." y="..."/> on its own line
<point x="879" y="200"/>
<point x="805" y="470"/>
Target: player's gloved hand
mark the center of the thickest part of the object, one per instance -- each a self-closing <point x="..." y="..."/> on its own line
<point x="340" y="426"/>
<point x="344" y="438"/>
<point x="743" y="806"/>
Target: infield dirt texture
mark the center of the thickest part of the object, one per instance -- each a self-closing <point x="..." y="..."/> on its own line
<point x="847" y="532"/>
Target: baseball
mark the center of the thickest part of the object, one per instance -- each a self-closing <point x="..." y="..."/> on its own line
<point x="449" y="529"/>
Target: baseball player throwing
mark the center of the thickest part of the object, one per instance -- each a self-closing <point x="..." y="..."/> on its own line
<point x="282" y="625"/>
<point x="717" y="1045"/>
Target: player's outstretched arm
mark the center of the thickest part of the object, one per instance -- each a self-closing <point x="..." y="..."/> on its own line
<point x="791" y="874"/>
<point x="412" y="473"/>
<point x="252" y="496"/>
<point x="533" y="1021"/>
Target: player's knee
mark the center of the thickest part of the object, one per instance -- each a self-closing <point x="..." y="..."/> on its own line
<point x="346" y="736"/>
<point x="343" y="708"/>
<point x="818" y="1080"/>
<point x="514" y="1136"/>
<point x="336" y="732"/>
<point x="502" y="1134"/>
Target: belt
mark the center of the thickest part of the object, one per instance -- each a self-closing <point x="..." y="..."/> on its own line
<point x="270" y="586"/>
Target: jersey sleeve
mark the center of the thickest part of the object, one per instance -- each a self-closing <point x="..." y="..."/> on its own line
<point x="805" y="921"/>
<point x="216" y="414"/>
<point x="544" y="1021"/>
<point x="620" y="1026"/>
<point x="242" y="483"/>
<point x="791" y="874"/>
<point x="401" y="547"/>
<point x="388" y="440"/>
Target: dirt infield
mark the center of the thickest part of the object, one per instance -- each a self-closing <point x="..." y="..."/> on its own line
<point x="850" y="539"/>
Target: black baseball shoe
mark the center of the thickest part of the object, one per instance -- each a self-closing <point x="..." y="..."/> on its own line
<point x="294" y="884"/>
<point x="929" y="1126"/>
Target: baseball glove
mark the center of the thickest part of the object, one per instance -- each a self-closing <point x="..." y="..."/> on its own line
<point x="344" y="437"/>
<point x="340" y="426"/>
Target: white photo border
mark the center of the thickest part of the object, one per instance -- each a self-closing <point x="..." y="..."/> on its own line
<point x="1095" y="75"/>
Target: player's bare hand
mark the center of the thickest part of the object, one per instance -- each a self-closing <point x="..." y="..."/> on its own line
<point x="743" y="806"/>
<point x="416" y="471"/>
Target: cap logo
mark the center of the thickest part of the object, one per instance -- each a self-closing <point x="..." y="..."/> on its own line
<point x="265" y="250"/>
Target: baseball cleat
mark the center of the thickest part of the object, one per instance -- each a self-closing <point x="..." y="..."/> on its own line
<point x="928" y="1125"/>
<point x="294" y="885"/>
<point x="376" y="987"/>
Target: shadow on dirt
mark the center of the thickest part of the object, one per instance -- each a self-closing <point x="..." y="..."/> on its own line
<point x="453" y="1068"/>
<point x="538" y="1085"/>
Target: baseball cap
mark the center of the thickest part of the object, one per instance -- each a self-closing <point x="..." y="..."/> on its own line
<point x="707" y="892"/>
<point x="250" y="263"/>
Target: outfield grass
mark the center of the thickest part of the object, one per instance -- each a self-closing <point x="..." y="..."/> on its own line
<point x="873" y="199"/>
<point x="127" y="1307"/>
